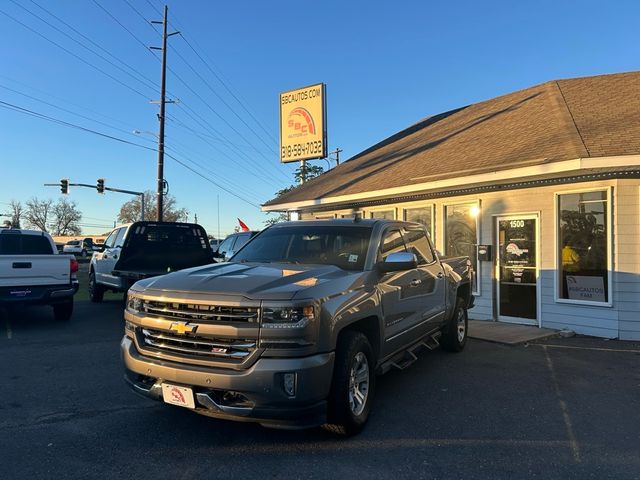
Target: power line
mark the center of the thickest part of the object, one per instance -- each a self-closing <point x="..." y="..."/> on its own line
<point x="230" y="192"/>
<point x="10" y="106"/>
<point x="259" y="166"/>
<point x="145" y="80"/>
<point x="269" y="135"/>
<point x="66" y="110"/>
<point x="75" y="55"/>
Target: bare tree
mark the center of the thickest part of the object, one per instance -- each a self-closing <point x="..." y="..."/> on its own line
<point x="130" y="211"/>
<point x="66" y="218"/>
<point x="16" y="213"/>
<point x="38" y="213"/>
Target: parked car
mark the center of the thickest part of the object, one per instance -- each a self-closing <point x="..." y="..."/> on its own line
<point x="32" y="272"/>
<point x="292" y="331"/>
<point x="146" y="249"/>
<point x="231" y="244"/>
<point x="82" y="248"/>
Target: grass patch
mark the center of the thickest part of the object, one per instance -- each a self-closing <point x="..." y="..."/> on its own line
<point x="83" y="280"/>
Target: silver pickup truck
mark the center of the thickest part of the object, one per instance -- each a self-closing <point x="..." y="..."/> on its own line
<point x="292" y="331"/>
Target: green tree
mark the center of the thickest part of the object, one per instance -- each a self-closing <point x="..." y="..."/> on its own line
<point x="303" y="173"/>
<point x="130" y="211"/>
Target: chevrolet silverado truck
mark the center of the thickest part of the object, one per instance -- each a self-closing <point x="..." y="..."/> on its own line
<point x="292" y="331"/>
<point x="146" y="249"/>
<point x="32" y="272"/>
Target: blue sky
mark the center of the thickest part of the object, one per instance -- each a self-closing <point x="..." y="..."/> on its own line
<point x="386" y="65"/>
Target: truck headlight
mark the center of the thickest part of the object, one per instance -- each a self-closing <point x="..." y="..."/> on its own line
<point x="134" y="304"/>
<point x="287" y="317"/>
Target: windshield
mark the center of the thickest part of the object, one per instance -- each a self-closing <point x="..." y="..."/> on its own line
<point x="342" y="246"/>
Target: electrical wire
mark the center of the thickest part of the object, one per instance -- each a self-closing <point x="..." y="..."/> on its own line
<point x="16" y="108"/>
<point x="75" y="55"/>
<point x="146" y="79"/>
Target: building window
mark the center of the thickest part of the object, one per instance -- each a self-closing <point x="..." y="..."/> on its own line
<point x="384" y="214"/>
<point x="422" y="215"/>
<point x="583" y="243"/>
<point x="461" y="234"/>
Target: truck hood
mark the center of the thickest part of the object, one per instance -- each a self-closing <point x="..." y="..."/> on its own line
<point x="272" y="281"/>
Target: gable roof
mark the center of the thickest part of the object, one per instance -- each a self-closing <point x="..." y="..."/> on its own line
<point x="554" y="121"/>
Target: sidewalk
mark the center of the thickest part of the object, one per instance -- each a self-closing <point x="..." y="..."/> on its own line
<point x="507" y="333"/>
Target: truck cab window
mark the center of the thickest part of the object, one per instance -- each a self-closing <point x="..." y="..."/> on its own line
<point x="392" y="242"/>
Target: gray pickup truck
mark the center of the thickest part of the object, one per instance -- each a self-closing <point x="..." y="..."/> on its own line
<point x="292" y="331"/>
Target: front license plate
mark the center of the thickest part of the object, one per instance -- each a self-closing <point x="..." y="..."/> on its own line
<point x="176" y="395"/>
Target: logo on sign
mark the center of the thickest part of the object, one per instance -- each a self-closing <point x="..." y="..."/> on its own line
<point x="301" y="121"/>
<point x="177" y="395"/>
<point x="513" y="249"/>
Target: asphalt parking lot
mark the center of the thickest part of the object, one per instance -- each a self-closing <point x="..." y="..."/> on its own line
<point x="568" y="408"/>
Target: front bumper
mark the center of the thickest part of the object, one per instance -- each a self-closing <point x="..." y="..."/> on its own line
<point x="255" y="395"/>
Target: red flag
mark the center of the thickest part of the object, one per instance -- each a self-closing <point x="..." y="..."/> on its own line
<point x="243" y="226"/>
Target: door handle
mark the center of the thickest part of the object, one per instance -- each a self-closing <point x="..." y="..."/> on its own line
<point x="440" y="275"/>
<point x="416" y="282"/>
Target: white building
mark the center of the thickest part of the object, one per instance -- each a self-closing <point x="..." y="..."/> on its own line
<point x="547" y="178"/>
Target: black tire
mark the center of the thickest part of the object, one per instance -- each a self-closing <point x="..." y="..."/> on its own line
<point x="454" y="334"/>
<point x="62" y="311"/>
<point x="343" y="418"/>
<point x="96" y="292"/>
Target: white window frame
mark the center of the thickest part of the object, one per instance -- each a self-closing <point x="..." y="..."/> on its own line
<point x="558" y="259"/>
<point x="383" y="209"/>
<point x="478" y="203"/>
<point x="431" y="207"/>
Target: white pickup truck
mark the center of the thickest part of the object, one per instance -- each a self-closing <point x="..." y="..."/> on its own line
<point x="32" y="272"/>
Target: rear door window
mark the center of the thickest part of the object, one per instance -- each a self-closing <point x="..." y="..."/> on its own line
<point x="418" y="244"/>
<point x="16" y="244"/>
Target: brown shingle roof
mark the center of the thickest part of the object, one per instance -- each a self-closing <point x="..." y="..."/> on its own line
<point x="557" y="120"/>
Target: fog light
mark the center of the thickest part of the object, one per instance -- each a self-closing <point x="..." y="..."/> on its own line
<point x="290" y="384"/>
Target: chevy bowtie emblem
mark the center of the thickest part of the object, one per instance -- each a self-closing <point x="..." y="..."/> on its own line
<point x="183" y="328"/>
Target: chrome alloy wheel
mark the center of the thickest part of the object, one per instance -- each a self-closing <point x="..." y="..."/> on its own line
<point x="359" y="383"/>
<point x="461" y="327"/>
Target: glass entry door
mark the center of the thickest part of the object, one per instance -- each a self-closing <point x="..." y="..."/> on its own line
<point x="517" y="269"/>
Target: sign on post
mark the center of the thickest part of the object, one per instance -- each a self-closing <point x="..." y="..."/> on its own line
<point x="303" y="133"/>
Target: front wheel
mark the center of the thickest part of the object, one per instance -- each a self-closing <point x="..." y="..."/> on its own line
<point x="63" y="311"/>
<point x="353" y="385"/>
<point x="454" y="334"/>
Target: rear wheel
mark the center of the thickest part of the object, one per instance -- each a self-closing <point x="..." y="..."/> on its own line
<point x="63" y="311"/>
<point x="353" y="385"/>
<point x="454" y="334"/>
<point x="96" y="292"/>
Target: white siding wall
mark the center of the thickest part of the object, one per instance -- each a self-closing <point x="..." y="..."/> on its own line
<point x="622" y="319"/>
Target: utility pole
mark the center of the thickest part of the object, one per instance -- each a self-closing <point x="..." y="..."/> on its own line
<point x="337" y="152"/>
<point x="163" y="101"/>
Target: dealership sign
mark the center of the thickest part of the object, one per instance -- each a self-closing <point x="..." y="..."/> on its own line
<point x="303" y="133"/>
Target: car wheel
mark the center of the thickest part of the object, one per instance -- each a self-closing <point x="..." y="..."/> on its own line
<point x="454" y="334"/>
<point x="353" y="385"/>
<point x="96" y="292"/>
<point x="63" y="311"/>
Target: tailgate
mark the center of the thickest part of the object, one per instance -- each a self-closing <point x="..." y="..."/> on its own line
<point x="34" y="270"/>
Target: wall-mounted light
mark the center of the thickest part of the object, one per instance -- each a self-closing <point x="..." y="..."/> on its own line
<point x="474" y="211"/>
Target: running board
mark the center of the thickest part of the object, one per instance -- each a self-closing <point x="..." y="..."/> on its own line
<point x="408" y="356"/>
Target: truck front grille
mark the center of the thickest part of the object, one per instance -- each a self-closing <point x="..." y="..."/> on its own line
<point x="194" y="346"/>
<point x="201" y="312"/>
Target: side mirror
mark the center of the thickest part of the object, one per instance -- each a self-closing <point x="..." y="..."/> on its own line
<point x="398" y="261"/>
<point x="101" y="247"/>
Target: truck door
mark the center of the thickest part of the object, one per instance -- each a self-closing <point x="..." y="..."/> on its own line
<point x="402" y="295"/>
<point x="432" y="287"/>
<point x="106" y="260"/>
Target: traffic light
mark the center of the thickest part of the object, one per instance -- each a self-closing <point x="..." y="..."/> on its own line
<point x="64" y="186"/>
<point x="100" y="185"/>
